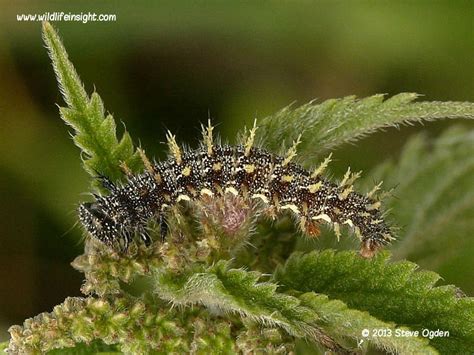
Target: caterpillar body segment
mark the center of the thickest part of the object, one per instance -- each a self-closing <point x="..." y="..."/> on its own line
<point x="253" y="173"/>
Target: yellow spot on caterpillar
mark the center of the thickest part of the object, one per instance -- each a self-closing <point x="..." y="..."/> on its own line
<point x="287" y="178"/>
<point x="217" y="166"/>
<point x="291" y="152"/>
<point x="183" y="198"/>
<point x="291" y="207"/>
<point x="337" y="231"/>
<point x="231" y="190"/>
<point x="324" y="217"/>
<point x="186" y="171"/>
<point x="374" y="190"/>
<point x="376" y="221"/>
<point x="249" y="168"/>
<point x="349" y="223"/>
<point x="320" y="169"/>
<point x="364" y="214"/>
<point x="207" y="137"/>
<point x="344" y="194"/>
<point x="174" y="148"/>
<point x="261" y="197"/>
<point x="374" y="206"/>
<point x="207" y="192"/>
<point x="313" y="188"/>
<point x="167" y="197"/>
<point x="251" y="138"/>
<point x="336" y="210"/>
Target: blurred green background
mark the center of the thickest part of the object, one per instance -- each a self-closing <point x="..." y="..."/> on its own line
<point x="169" y="65"/>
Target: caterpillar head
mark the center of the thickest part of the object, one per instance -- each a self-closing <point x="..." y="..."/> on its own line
<point x="97" y="221"/>
<point x="110" y="224"/>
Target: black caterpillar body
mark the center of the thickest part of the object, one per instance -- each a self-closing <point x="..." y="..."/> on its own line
<point x="214" y="170"/>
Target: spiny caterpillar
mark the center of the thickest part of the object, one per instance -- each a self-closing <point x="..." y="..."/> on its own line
<point x="244" y="170"/>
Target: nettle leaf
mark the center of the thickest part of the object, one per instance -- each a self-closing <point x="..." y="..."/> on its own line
<point x="238" y="291"/>
<point x="433" y="202"/>
<point x="95" y="131"/>
<point x="333" y="122"/>
<point x="311" y="316"/>
<point x="392" y="292"/>
<point x="342" y="322"/>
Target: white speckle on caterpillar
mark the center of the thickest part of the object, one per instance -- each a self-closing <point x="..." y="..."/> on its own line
<point x="349" y="223"/>
<point x="232" y="191"/>
<point x="324" y="217"/>
<point x="183" y="198"/>
<point x="207" y="192"/>
<point x="261" y="197"/>
<point x="291" y="207"/>
<point x="245" y="171"/>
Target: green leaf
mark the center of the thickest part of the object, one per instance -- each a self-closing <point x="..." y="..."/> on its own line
<point x="433" y="203"/>
<point x="235" y="290"/>
<point x="392" y="292"/>
<point x="316" y="318"/>
<point x="333" y="122"/>
<point x="95" y="131"/>
<point x="338" y="319"/>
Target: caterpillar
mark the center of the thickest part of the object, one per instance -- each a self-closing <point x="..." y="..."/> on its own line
<point x="213" y="170"/>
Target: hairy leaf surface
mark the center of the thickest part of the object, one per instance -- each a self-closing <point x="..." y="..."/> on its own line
<point x="392" y="292"/>
<point x="328" y="124"/>
<point x="433" y="203"/>
<point x="312" y="316"/>
<point x="95" y="131"/>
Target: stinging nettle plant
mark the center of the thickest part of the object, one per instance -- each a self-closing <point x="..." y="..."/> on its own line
<point x="227" y="278"/>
